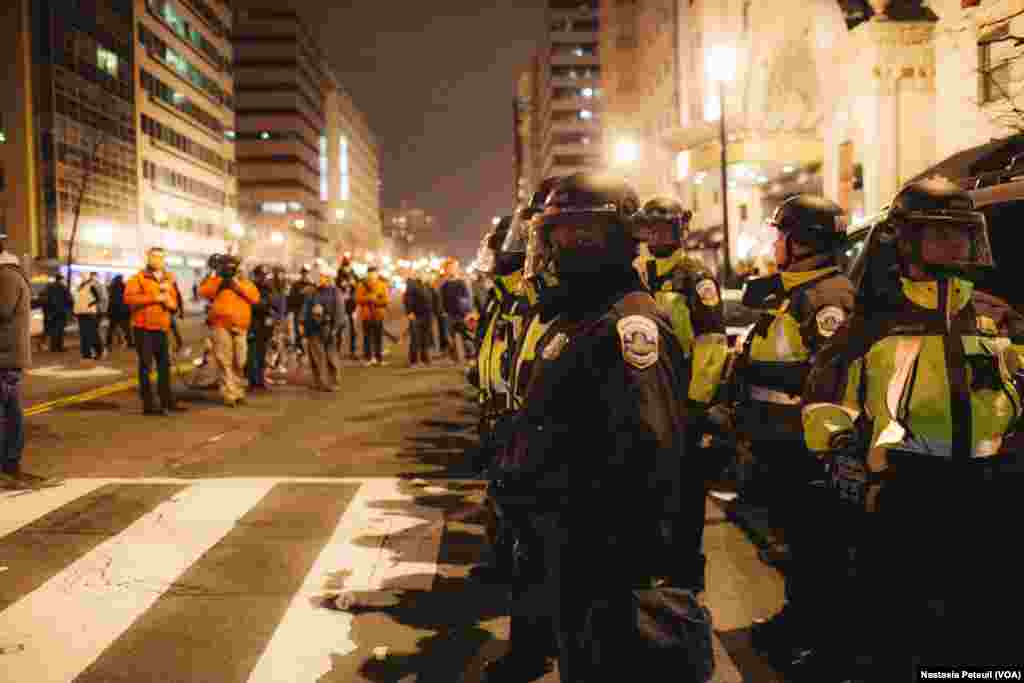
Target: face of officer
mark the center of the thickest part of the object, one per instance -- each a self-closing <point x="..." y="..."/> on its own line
<point x="662" y="242"/>
<point x="786" y="251"/>
<point x="155" y="260"/>
<point x="580" y="245"/>
<point x="940" y="244"/>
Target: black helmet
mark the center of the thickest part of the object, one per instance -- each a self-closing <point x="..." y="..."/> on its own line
<point x="811" y="220"/>
<point x="667" y="210"/>
<point x="540" y="197"/>
<point x="584" y="198"/>
<point x="939" y="204"/>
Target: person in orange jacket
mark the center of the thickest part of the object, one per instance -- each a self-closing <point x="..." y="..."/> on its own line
<point x="231" y="298"/>
<point x="372" y="300"/>
<point x="153" y="300"/>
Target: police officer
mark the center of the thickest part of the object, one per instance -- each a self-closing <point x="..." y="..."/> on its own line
<point x="910" y="406"/>
<point x="688" y="294"/>
<point x="803" y="305"/>
<point x="532" y="644"/>
<point x="598" y="449"/>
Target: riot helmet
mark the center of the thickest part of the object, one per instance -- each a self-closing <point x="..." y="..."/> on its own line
<point x="662" y="211"/>
<point x="812" y="221"/>
<point x="587" y="225"/>
<point x="540" y="197"/>
<point x="940" y="232"/>
<point x="486" y="260"/>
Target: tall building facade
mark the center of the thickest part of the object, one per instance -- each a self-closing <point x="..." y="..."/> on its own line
<point x="569" y="106"/>
<point x="350" y="177"/>
<point x="186" y="122"/>
<point x="524" y="122"/>
<point x="308" y="162"/>
<point x="73" y="132"/>
<point x="282" y="86"/>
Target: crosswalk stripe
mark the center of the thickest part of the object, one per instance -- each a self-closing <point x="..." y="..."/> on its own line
<point x="18" y="508"/>
<point x="223" y="610"/>
<point x="65" y="624"/>
<point x="70" y="531"/>
<point x="384" y="540"/>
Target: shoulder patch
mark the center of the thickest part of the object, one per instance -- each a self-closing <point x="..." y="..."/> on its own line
<point x="707" y="290"/>
<point x="829" y="319"/>
<point x="639" y="337"/>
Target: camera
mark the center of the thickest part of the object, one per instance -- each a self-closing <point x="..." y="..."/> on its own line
<point x="224" y="265"/>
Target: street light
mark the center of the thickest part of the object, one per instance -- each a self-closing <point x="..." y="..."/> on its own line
<point x="721" y="68"/>
<point x="626" y="151"/>
<point x="495" y="220"/>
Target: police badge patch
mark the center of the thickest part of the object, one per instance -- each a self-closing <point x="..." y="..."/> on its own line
<point x="639" y="336"/>
<point x="829" y="319"/>
<point x="707" y="290"/>
<point x="554" y="348"/>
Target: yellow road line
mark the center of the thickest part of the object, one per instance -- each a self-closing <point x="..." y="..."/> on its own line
<point x="93" y="394"/>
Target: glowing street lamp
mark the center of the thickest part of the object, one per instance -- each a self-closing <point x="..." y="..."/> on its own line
<point x="721" y="68"/>
<point x="626" y="151"/>
<point x="495" y="220"/>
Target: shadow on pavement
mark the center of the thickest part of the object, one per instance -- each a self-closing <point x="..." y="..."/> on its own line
<point x="440" y="628"/>
<point x="751" y="665"/>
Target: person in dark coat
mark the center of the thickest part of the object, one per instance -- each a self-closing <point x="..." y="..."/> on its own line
<point x="419" y="309"/>
<point x="57" y="306"/>
<point x="120" y="315"/>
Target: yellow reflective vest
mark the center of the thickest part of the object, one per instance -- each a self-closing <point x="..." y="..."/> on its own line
<point x="931" y="378"/>
<point x="689" y="295"/>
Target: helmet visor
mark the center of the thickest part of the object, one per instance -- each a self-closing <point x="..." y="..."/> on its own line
<point x="518" y="235"/>
<point x="955" y="241"/>
<point x="485" y="256"/>
<point x="538" y="253"/>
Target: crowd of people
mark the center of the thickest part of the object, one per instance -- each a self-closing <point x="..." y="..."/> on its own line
<point x="259" y="329"/>
<point x="877" y="407"/>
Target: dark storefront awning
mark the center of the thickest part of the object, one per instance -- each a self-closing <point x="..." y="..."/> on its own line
<point x="966" y="167"/>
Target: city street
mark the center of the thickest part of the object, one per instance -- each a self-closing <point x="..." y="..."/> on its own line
<point x="209" y="546"/>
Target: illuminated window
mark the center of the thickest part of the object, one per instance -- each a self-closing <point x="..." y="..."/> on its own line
<point x="343" y="163"/>
<point x="107" y="61"/>
<point x="323" y="168"/>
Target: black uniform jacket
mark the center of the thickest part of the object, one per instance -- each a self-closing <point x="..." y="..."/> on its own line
<point x="601" y="434"/>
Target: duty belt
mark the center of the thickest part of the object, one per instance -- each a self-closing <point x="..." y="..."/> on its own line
<point x="766" y="395"/>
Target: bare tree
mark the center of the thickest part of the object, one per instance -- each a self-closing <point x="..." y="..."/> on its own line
<point x="90" y="161"/>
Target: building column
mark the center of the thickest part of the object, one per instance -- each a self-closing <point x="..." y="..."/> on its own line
<point x="18" y="154"/>
<point x="892" y="69"/>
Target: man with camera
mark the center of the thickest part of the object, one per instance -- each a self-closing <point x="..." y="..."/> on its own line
<point x="153" y="300"/>
<point x="231" y="298"/>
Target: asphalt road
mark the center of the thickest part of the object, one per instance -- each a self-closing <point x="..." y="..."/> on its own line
<point x="208" y="546"/>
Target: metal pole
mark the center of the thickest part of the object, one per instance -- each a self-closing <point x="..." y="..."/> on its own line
<point x="727" y="272"/>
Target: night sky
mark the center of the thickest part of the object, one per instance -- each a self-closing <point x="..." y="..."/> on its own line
<point x="436" y="81"/>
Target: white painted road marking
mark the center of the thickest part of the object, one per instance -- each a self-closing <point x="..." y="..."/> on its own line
<point x="18" y="508"/>
<point x="308" y="636"/>
<point x="67" y="623"/>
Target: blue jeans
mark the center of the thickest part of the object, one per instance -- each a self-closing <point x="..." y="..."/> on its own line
<point x="12" y="417"/>
<point x="257" y="360"/>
